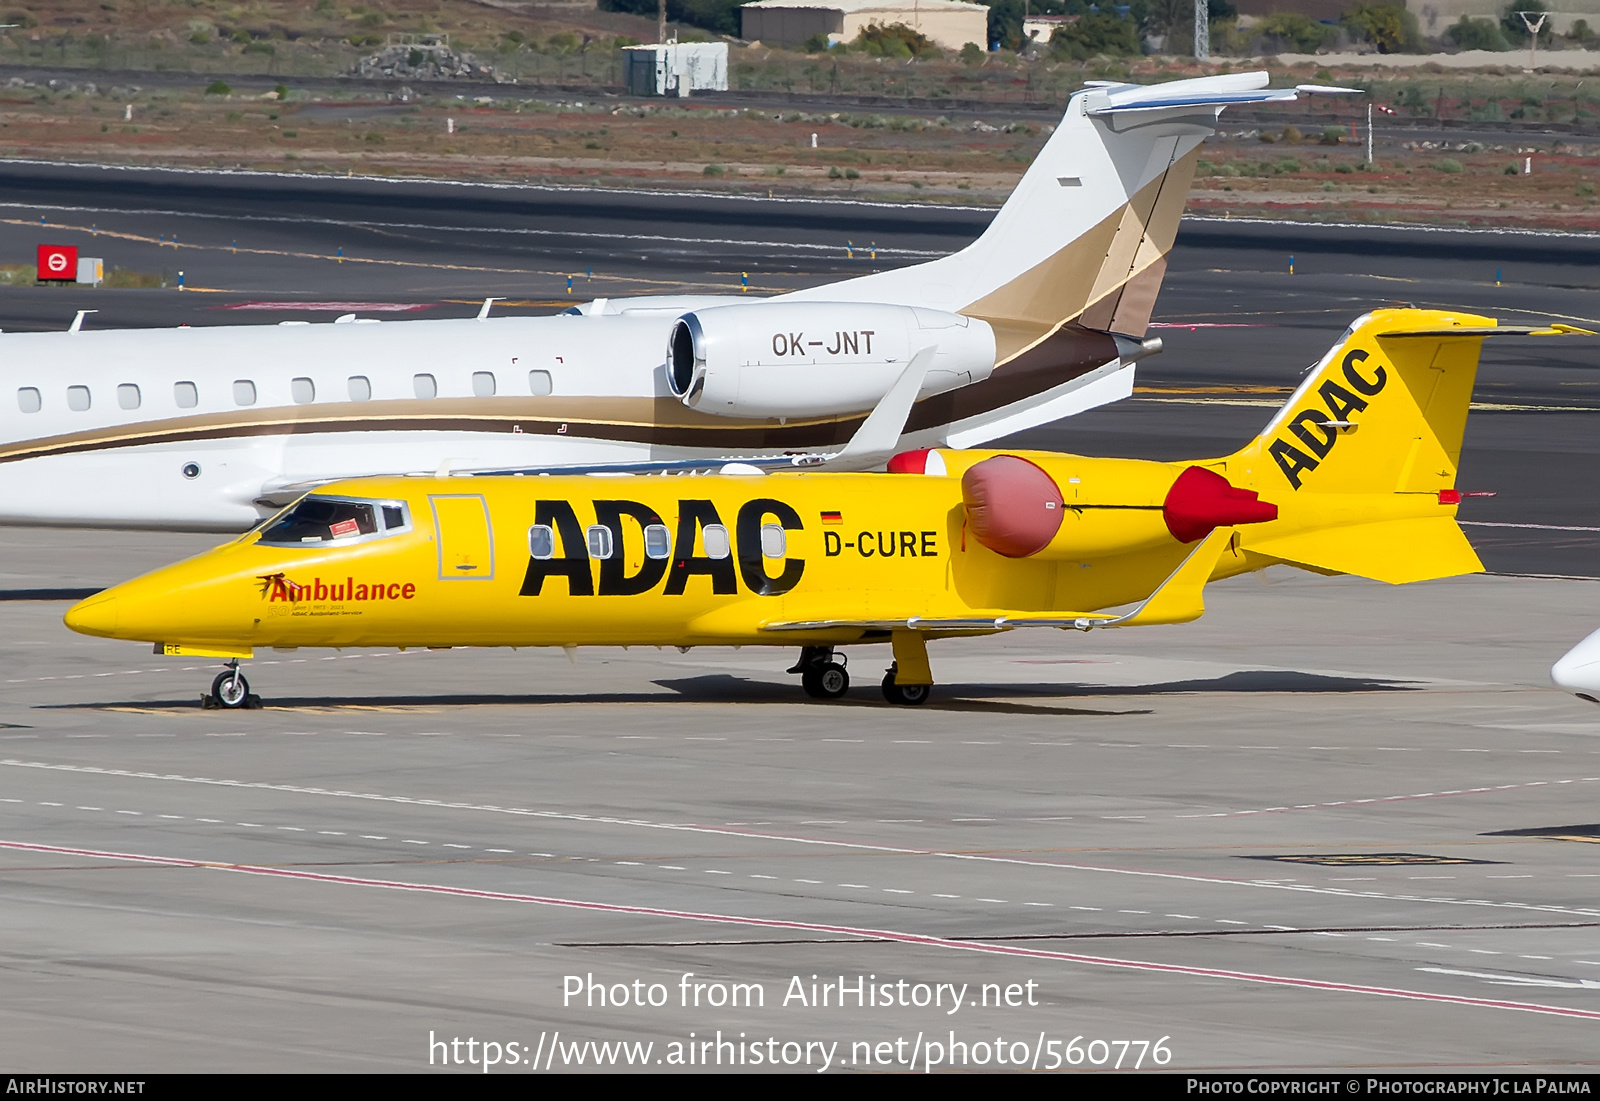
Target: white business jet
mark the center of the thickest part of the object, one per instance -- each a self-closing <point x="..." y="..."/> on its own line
<point x="1041" y="317"/>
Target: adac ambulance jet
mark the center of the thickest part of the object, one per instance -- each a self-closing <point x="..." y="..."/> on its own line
<point x="1356" y="474"/>
<point x="1043" y="316"/>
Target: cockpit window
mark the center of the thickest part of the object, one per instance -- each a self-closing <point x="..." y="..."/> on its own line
<point x="316" y="520"/>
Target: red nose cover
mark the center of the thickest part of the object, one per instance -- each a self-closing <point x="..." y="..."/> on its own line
<point x="1202" y="499"/>
<point x="1012" y="506"/>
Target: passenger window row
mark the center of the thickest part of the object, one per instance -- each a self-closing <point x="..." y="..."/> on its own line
<point x="601" y="541"/>
<point x="186" y="395"/>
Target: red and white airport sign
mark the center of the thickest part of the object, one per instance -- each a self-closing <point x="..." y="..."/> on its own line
<point x="58" y="262"/>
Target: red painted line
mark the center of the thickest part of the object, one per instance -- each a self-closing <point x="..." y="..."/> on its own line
<point x="333" y="307"/>
<point x="1192" y="325"/>
<point x="820" y="927"/>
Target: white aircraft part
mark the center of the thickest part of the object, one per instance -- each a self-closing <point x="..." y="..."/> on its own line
<point x="1578" y="671"/>
<point x="1110" y="383"/>
<point x="789" y="359"/>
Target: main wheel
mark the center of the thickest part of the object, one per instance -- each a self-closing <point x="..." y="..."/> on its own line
<point x="230" y="690"/>
<point x="828" y="681"/>
<point x="909" y="695"/>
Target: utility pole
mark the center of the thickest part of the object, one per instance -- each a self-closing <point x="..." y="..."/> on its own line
<point x="1369" y="131"/>
<point x="1202" y="30"/>
<point x="661" y="22"/>
<point x="1534" y="26"/>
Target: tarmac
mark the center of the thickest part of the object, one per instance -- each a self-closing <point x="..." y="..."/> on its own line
<point x="1334" y="825"/>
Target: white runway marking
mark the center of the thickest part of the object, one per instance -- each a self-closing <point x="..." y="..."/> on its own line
<point x="835" y="843"/>
<point x="846" y="930"/>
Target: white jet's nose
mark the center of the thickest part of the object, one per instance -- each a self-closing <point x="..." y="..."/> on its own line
<point x="1578" y="671"/>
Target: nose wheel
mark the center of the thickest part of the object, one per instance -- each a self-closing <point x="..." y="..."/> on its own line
<point x="231" y="692"/>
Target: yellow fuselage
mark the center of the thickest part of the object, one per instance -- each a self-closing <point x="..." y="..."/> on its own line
<point x="853" y="547"/>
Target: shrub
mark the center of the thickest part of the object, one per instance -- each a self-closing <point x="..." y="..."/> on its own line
<point x="715" y="170"/>
<point x="895" y="40"/>
<point x="1476" y="34"/>
<point x="721" y="16"/>
<point x="1333" y="135"/>
<point x="972" y="53"/>
<point x="816" y="44"/>
<point x="1296" y="31"/>
<point x="834" y="173"/>
<point x="1094" y="34"/>
<point x="851" y="174"/>
<point x="1391" y="28"/>
<point x="1292" y="135"/>
<point x="218" y="88"/>
<point x="1448" y="167"/>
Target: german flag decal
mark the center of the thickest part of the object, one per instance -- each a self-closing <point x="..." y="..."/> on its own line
<point x="832" y="518"/>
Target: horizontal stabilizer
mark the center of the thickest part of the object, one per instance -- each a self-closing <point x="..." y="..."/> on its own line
<point x="1394" y="551"/>
<point x="1216" y="91"/>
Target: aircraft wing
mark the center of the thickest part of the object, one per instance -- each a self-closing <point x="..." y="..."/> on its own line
<point x="1178" y="599"/>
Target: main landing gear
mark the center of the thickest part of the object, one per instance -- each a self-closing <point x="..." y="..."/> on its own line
<point x="822" y="673"/>
<point x="908" y="695"/>
<point x="230" y="691"/>
<point x="908" y="681"/>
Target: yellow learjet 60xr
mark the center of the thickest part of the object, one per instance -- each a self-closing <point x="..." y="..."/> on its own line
<point x="1355" y="474"/>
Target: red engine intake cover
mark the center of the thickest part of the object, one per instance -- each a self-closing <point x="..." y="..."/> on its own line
<point x="1013" y="507"/>
<point x="1201" y="500"/>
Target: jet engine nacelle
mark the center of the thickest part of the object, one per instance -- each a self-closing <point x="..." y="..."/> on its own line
<point x="813" y="359"/>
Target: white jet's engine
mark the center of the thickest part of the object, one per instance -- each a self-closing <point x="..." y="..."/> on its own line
<point x="816" y="359"/>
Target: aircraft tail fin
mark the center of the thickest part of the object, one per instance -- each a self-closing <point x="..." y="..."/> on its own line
<point x="1362" y="459"/>
<point x="1084" y="237"/>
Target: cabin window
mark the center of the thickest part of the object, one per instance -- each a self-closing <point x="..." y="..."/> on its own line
<point x="715" y="537"/>
<point x="542" y="541"/>
<point x="128" y="396"/>
<point x="483" y="384"/>
<point x="539" y="383"/>
<point x="77" y="398"/>
<point x="425" y="386"/>
<point x="657" y="541"/>
<point x="774" y="541"/>
<point x="302" y="390"/>
<point x="28" y="400"/>
<point x="599" y="537"/>
<point x="322" y="520"/>
<point x="244" y="392"/>
<point x="360" y="388"/>
<point x="394" y="517"/>
<point x="185" y="394"/>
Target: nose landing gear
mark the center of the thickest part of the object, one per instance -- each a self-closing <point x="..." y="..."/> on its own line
<point x="822" y="673"/>
<point x="230" y="691"/>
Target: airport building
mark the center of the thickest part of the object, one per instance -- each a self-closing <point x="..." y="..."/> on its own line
<point x="675" y="68"/>
<point x="949" y="24"/>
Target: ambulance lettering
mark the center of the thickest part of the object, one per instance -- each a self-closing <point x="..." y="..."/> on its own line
<point x="278" y="588"/>
<point x="1312" y="427"/>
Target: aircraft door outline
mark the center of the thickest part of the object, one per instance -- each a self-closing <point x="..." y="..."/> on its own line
<point x="464" y="536"/>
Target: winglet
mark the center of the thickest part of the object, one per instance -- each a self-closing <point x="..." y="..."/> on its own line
<point x="879" y="435"/>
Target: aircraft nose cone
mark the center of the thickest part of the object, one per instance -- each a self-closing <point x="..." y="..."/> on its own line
<point x="1578" y="670"/>
<point x="94" y="616"/>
